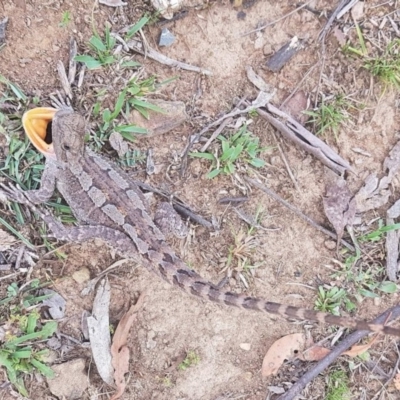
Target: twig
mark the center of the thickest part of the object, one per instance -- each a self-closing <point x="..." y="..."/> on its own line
<point x="294" y="131"/>
<point x="325" y="29"/>
<point x="292" y="208"/>
<point x="393" y="374"/>
<point x="21" y="252"/>
<point x="137" y="46"/>
<point x="277" y="20"/>
<point x="216" y="133"/>
<point x="3" y="278"/>
<point x="352" y="339"/>
<point x="177" y="204"/>
<point x="195" y="217"/>
<point x="285" y="161"/>
<point x="298" y="85"/>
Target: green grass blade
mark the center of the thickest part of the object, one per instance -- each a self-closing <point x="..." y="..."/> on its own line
<point x="17" y="234"/>
<point x="44" y="369"/>
<point x="97" y="44"/>
<point x="90" y="62"/>
<point x="149" y="106"/>
<point x="136" y="28"/>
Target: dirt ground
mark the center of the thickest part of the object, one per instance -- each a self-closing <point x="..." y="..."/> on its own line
<point x="294" y="257"/>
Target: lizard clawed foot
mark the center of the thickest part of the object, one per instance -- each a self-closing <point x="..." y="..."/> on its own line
<point x="14" y="193"/>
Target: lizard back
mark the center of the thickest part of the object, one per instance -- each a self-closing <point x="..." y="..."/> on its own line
<point x="100" y="194"/>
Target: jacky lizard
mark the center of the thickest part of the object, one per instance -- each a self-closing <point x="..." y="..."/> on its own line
<point x="110" y="206"/>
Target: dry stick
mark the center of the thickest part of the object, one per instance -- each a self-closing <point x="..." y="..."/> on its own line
<point x="352" y="339"/>
<point x="277" y="20"/>
<point x="298" y="85"/>
<point x="285" y="161"/>
<point x="177" y="204"/>
<point x="149" y="52"/>
<point x="310" y="221"/>
<point x="324" y="31"/>
<point x="216" y="133"/>
<point x="393" y="374"/>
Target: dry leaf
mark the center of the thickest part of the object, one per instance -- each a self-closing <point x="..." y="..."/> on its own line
<point x="362" y="348"/>
<point x="339" y="35"/>
<point x="6" y="240"/>
<point x="118" y="143"/>
<point x="99" y="332"/>
<point x="296" y="105"/>
<point x="373" y="194"/>
<point x="112" y="3"/>
<point x="259" y="82"/>
<point x="314" y="353"/>
<point x="392" y="161"/>
<point x="287" y="347"/>
<point x="119" y="350"/>
<point x="357" y="12"/>
<point x="396" y="381"/>
<point x="339" y="206"/>
<point x="376" y="192"/>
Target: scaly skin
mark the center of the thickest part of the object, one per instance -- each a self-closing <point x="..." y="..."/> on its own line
<point x="110" y="206"/>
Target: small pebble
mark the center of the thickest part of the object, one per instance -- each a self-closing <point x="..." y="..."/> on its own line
<point x="82" y="275"/>
<point x="166" y="38"/>
<point x="245" y="346"/>
<point x="330" y="244"/>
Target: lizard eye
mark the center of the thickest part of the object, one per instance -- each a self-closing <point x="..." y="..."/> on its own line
<point x="66" y="147"/>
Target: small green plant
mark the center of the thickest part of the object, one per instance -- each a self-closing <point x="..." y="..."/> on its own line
<point x="167" y="382"/>
<point x="338" y="386"/>
<point x="377" y="234"/>
<point x="132" y="158"/>
<point x="366" y="279"/>
<point x="330" y="115"/>
<point x="65" y="19"/>
<point x="20" y="352"/>
<point x="132" y="96"/>
<point x="242" y="147"/>
<point x="136" y="27"/>
<point x="386" y="66"/>
<point x="103" y="48"/>
<point x="103" y="51"/>
<point x="192" y="358"/>
<point x="330" y="300"/>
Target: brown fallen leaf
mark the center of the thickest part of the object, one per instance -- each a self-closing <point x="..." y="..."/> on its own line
<point x="287" y="347"/>
<point x="376" y="192"/>
<point x="339" y="206"/>
<point x="359" y="349"/>
<point x="119" y="350"/>
<point x="314" y="353"/>
<point x="118" y="143"/>
<point x="296" y="105"/>
<point x="339" y="35"/>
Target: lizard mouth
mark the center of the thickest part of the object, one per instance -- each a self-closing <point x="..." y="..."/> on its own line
<point x="36" y="123"/>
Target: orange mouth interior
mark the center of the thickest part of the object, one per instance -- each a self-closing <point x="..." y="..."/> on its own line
<point x="35" y="124"/>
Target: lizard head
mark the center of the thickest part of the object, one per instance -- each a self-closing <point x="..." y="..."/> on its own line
<point x="68" y="131"/>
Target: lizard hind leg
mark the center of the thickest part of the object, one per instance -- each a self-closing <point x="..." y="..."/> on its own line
<point x="169" y="221"/>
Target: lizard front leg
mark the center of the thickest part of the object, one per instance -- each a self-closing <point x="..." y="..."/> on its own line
<point x="112" y="237"/>
<point x="47" y="185"/>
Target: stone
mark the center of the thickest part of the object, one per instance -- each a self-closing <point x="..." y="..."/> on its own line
<point x="70" y="380"/>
